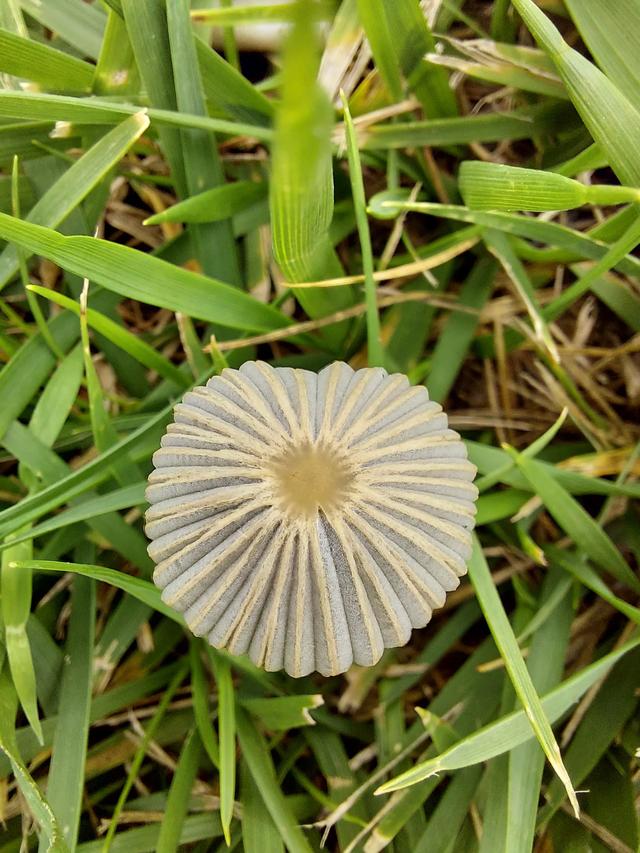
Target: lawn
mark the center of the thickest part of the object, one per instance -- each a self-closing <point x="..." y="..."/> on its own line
<point x="447" y="190"/>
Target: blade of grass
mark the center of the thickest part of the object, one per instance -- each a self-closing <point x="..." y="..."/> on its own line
<point x="15" y="606"/>
<point x="31" y="60"/>
<point x="376" y="357"/>
<point x="226" y="739"/>
<point x="511" y="731"/>
<point x="259" y="833"/>
<point x="140" y="276"/>
<point x="284" y="712"/>
<point x="455" y="339"/>
<point x="86" y="173"/>
<point x="611" y="119"/>
<point x="122" y="338"/>
<point x="213" y="205"/>
<point x="576" y="521"/>
<point x="136" y="764"/>
<point x="494" y="186"/>
<point x="214" y="243"/>
<point x="201" y="705"/>
<point x="611" y="34"/>
<point x="301" y="185"/>
<point x="506" y="642"/>
<point x="142" y="590"/>
<point x="65" y="784"/>
<point x="81" y="111"/>
<point x="256" y="754"/>
<point x="179" y="795"/>
<point x="79" y="24"/>
<point x="146" y="22"/>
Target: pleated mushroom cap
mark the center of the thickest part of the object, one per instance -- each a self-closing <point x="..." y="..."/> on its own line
<point x="309" y="520"/>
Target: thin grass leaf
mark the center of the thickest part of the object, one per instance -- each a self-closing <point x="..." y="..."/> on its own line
<point x="146" y="22"/>
<point x="117" y="499"/>
<point x="227" y="91"/>
<point x="284" y="712"/>
<point x="65" y="784"/>
<point x="137" y="275"/>
<point x="493" y="186"/>
<point x="226" y="739"/>
<point x="52" y="408"/>
<point x="256" y="754"/>
<point x="576" y="521"/>
<point x="136" y="764"/>
<point x="79" y="24"/>
<point x="201" y="705"/>
<point x="116" y="72"/>
<point x="492" y="127"/>
<point x="400" y="37"/>
<point x="518" y="673"/>
<point x="37" y="804"/>
<point x="179" y="795"/>
<point x="611" y="34"/>
<point x="196" y="828"/>
<point x="56" y="204"/>
<point x="122" y="338"/>
<point x="375" y="349"/>
<point x="301" y="185"/>
<point x="142" y="590"/>
<point x="15" y="606"/>
<point x="30" y="60"/>
<point x="81" y="111"/>
<point x="214" y="244"/>
<point x="259" y="833"/>
<point x="213" y="205"/>
<point x="455" y="339"/>
<point x="509" y="732"/>
<point x="612" y="120"/>
<point x="104" y="435"/>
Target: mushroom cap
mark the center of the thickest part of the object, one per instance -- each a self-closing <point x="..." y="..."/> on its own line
<point x="309" y="520"/>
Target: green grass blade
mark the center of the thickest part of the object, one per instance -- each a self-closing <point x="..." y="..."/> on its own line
<point x="259" y="833"/>
<point x="576" y="521"/>
<point x="146" y="22"/>
<point x="214" y="244"/>
<point x="256" y="754"/>
<point x="80" y="24"/>
<point x="179" y="795"/>
<point x="37" y="803"/>
<point x="142" y="590"/>
<point x="15" y="605"/>
<point x="455" y="339"/>
<point x="213" y="205"/>
<point x="122" y="338"/>
<point x="493" y="186"/>
<point x="612" y="120"/>
<point x="301" y="186"/>
<point x="136" y="275"/>
<point x="201" y="705"/>
<point x="284" y="712"/>
<point x="31" y="60"/>
<point x="511" y="731"/>
<point x="611" y="34"/>
<point x="65" y="785"/>
<point x="376" y="356"/>
<point x="28" y="105"/>
<point x="227" y="740"/>
<point x="507" y="644"/>
<point x="56" y="204"/>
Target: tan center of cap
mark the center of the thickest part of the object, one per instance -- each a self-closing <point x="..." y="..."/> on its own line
<point x="308" y="478"/>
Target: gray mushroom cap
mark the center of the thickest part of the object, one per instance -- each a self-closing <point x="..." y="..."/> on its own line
<point x="309" y="520"/>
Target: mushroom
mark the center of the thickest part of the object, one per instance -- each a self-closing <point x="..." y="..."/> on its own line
<point x="309" y="520"/>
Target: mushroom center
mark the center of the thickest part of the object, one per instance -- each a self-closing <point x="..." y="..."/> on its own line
<point x="310" y="477"/>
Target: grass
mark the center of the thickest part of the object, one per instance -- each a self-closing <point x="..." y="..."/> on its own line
<point x="458" y="202"/>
